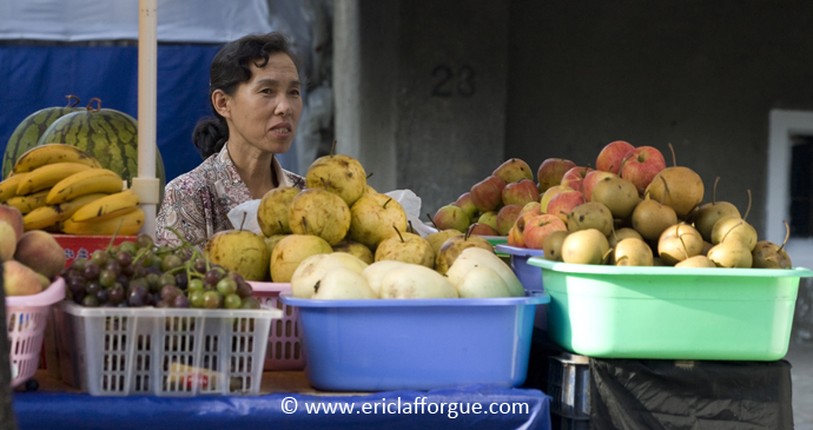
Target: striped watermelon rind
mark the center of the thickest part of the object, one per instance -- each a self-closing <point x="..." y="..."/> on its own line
<point x="28" y="131"/>
<point x="108" y="134"/>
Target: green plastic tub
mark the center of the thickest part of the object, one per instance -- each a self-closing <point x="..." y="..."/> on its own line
<point x="670" y="313"/>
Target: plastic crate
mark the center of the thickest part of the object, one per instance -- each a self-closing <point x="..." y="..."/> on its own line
<point x="27" y="318"/>
<point x="670" y="313"/>
<point x="421" y="344"/>
<point x="162" y="351"/>
<point x="569" y="385"/>
<point x="284" y="345"/>
<point x="82" y="246"/>
<point x="529" y="276"/>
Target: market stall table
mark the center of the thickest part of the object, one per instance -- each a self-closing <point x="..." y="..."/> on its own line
<point x="284" y="403"/>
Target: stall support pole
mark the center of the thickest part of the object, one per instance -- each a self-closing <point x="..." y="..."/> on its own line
<point x="146" y="184"/>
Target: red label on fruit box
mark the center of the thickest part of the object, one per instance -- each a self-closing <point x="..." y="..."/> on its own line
<point x="195" y="381"/>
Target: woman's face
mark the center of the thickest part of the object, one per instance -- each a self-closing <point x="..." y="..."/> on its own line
<point x="263" y="112"/>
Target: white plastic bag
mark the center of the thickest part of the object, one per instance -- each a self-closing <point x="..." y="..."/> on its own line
<point x="249" y="210"/>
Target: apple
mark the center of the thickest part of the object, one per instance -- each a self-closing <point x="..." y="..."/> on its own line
<point x="574" y="177"/>
<point x="488" y="218"/>
<point x="514" y="236"/>
<point x="563" y="203"/>
<point x="520" y="192"/>
<point x="548" y="194"/>
<point x="14" y="218"/>
<point x="507" y="216"/>
<point x="483" y="229"/>
<point x="538" y="227"/>
<point x="487" y="194"/>
<point x="451" y="216"/>
<point x="612" y="155"/>
<point x="591" y="179"/>
<point x="513" y="170"/>
<point x="551" y="171"/>
<point x="641" y="165"/>
<point x="40" y="250"/>
<point x="465" y="202"/>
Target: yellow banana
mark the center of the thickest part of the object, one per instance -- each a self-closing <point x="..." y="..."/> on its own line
<point x="128" y="224"/>
<point x="52" y="153"/>
<point x="48" y="175"/>
<point x="107" y="207"/>
<point x="93" y="180"/>
<point x="28" y="202"/>
<point x="51" y="215"/>
<point x="8" y="187"/>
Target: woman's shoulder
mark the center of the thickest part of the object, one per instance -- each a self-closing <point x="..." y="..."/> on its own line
<point x="201" y="177"/>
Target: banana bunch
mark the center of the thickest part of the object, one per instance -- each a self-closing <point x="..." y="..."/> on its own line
<point x="61" y="188"/>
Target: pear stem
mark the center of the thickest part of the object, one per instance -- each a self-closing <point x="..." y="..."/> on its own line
<point x="714" y="190"/>
<point x="674" y="157"/>
<point x="787" y="235"/>
<point x="748" y="208"/>
<point x="428" y="215"/>
<point x="400" y="236"/>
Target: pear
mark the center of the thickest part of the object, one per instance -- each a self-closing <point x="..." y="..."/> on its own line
<point x="414" y="281"/>
<point x="474" y="257"/>
<point x="342" y="283"/>
<point x="622" y="233"/>
<point x="274" y="209"/>
<point x="40" y="250"/>
<point x="375" y="272"/>
<point x="241" y="251"/>
<point x="618" y="194"/>
<point x="552" y="245"/>
<point x="312" y="269"/>
<point x="481" y="282"/>
<point x="650" y="217"/>
<point x="407" y="247"/>
<point x="731" y="254"/>
<point x="678" y="187"/>
<point x="769" y="255"/>
<point x="453" y="246"/>
<point x="437" y="238"/>
<point x="271" y="241"/>
<point x="632" y="251"/>
<point x="291" y="251"/>
<point x="373" y="217"/>
<point x="319" y="212"/>
<point x="709" y="213"/>
<point x="696" y="261"/>
<point x="21" y="280"/>
<point x="734" y="228"/>
<point x="585" y="247"/>
<point x="339" y="174"/>
<point x="678" y="243"/>
<point x="591" y="215"/>
<point x="358" y="249"/>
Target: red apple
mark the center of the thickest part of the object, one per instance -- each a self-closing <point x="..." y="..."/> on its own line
<point x="612" y="155"/>
<point x="520" y="192"/>
<point x="514" y="237"/>
<point x="574" y="177"/>
<point x="550" y="172"/>
<point x="591" y="179"/>
<point x="641" y="165"/>
<point x="14" y="218"/>
<point x="548" y="194"/>
<point x="538" y="227"/>
<point x="507" y="216"/>
<point x="464" y="201"/>
<point x="535" y="207"/>
<point x="481" y="229"/>
<point x="512" y="170"/>
<point x="563" y="203"/>
<point x="451" y="216"/>
<point x="487" y="194"/>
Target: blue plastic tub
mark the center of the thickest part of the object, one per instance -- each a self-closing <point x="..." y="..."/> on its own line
<point x="421" y="344"/>
<point x="529" y="276"/>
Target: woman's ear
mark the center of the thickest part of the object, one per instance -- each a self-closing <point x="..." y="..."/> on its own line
<point x="220" y="101"/>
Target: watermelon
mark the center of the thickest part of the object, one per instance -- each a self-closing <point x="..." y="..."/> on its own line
<point x="27" y="133"/>
<point x="108" y="134"/>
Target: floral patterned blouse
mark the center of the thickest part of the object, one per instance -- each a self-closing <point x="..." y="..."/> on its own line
<point x="197" y="203"/>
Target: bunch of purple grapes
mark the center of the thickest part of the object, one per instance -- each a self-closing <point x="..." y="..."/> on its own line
<point x="138" y="273"/>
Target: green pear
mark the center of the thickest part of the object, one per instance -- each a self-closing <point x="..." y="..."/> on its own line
<point x="320" y="212"/>
<point x="342" y="283"/>
<point x="406" y="247"/>
<point x="240" y="251"/>
<point x="310" y="271"/>
<point x="414" y="281"/>
<point x="291" y="251"/>
<point x="274" y="210"/>
<point x="339" y="174"/>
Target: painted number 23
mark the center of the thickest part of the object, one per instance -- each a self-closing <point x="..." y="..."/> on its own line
<point x="450" y="82"/>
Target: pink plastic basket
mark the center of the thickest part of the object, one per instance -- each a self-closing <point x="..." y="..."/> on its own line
<point x="284" y="350"/>
<point x="26" y="318"/>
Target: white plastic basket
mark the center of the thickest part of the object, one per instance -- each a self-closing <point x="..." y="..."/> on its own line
<point x="284" y="344"/>
<point x="26" y="319"/>
<point x="162" y="351"/>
